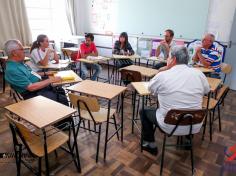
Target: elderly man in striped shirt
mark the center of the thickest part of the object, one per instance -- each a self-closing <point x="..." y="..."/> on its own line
<point x="208" y="55"/>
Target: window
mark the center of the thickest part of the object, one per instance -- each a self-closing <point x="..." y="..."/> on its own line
<point x="48" y="17"/>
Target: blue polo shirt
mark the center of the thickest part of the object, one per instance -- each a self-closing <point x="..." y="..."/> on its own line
<point x="19" y="76"/>
<point x="212" y="56"/>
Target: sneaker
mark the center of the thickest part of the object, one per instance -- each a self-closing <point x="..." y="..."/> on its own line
<point x="151" y="150"/>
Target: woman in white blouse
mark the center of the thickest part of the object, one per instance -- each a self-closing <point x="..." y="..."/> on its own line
<point x="41" y="53"/>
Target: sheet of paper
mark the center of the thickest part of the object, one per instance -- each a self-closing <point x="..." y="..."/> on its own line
<point x="142" y="44"/>
<point x="145" y="53"/>
<point x="155" y="45"/>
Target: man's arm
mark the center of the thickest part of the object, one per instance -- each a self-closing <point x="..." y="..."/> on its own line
<point x="198" y="57"/>
<point x="158" y="51"/>
<point x="42" y="84"/>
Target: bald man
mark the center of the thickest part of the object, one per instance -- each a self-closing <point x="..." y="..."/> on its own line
<point x="208" y="55"/>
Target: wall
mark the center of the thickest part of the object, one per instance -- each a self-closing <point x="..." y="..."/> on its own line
<point x="220" y="18"/>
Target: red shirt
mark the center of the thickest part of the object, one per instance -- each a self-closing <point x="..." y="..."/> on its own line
<point x="84" y="49"/>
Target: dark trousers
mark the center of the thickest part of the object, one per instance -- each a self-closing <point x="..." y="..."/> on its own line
<point x="159" y="65"/>
<point x="148" y="120"/>
<point x="53" y="93"/>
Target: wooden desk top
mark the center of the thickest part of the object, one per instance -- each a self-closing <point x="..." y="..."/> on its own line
<point x="214" y="83"/>
<point x="132" y="57"/>
<point x="98" y="89"/>
<point x="92" y="61"/>
<point x="71" y="49"/>
<point x="67" y="73"/>
<point x="40" y="111"/>
<point x="26" y="47"/>
<point x="60" y="65"/>
<point x="156" y="59"/>
<point x="6" y="57"/>
<point x="141" y="88"/>
<point x="204" y="70"/>
<point x="148" y="72"/>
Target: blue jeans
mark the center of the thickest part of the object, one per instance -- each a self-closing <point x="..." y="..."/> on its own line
<point x="84" y="70"/>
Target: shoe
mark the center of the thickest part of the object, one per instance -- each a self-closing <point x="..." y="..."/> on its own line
<point x="153" y="151"/>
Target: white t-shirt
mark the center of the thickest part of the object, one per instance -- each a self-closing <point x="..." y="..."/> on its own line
<point x="180" y="87"/>
<point x="163" y="51"/>
<point x="37" y="55"/>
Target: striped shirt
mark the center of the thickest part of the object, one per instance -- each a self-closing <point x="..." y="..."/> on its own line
<point x="212" y="56"/>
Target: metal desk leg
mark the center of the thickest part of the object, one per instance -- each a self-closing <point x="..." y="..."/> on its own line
<point x="122" y="116"/>
<point x="46" y="152"/>
<point x="133" y="115"/>
<point x="80" y="73"/>
<point x="76" y="146"/>
<point x="143" y="100"/>
<point x="107" y="126"/>
<point x="205" y="123"/>
<point x="108" y="71"/>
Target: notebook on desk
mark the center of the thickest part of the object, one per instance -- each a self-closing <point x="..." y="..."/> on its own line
<point x="65" y="76"/>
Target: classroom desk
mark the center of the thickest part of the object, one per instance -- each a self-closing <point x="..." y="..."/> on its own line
<point x="116" y="58"/>
<point x="96" y="60"/>
<point x="43" y="112"/>
<point x="66" y="73"/>
<point x="61" y="65"/>
<point x="102" y="90"/>
<point x="4" y="58"/>
<point x="214" y="85"/>
<point x="155" y="59"/>
<point x="146" y="72"/>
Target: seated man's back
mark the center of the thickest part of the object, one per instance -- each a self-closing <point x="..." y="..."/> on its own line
<point x="180" y="87"/>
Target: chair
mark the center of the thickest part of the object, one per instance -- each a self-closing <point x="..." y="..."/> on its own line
<point x="27" y="136"/>
<point x="17" y="96"/>
<point x="3" y="67"/>
<point x="89" y="109"/>
<point x="182" y="118"/>
<point x="226" y="69"/>
<point x="191" y="46"/>
<point x="213" y="104"/>
<point x="128" y="76"/>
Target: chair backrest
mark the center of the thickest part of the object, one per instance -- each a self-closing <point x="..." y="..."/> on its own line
<point x="221" y="93"/>
<point x="128" y="76"/>
<point x="184" y="118"/>
<point x="226" y="68"/>
<point x="83" y="101"/>
<point x="18" y="128"/>
<point x="196" y="43"/>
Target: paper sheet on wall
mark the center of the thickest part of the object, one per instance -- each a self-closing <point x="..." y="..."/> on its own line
<point x="145" y="53"/>
<point x="155" y="45"/>
<point x="142" y="44"/>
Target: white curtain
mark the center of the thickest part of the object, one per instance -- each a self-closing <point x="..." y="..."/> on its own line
<point x="14" y="22"/>
<point x="70" y="13"/>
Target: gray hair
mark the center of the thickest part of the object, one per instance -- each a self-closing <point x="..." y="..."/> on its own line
<point x="11" y="45"/>
<point x="180" y="53"/>
<point x="212" y="36"/>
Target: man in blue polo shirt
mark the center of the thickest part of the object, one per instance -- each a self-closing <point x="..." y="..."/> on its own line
<point x="23" y="80"/>
<point x="208" y="55"/>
